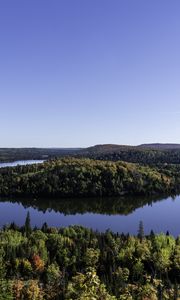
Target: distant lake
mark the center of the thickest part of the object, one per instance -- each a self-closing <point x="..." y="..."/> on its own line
<point x="20" y="162"/>
<point x="116" y="214"/>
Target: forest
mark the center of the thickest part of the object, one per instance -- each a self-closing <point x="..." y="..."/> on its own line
<point x="78" y="263"/>
<point x="144" y="154"/>
<point x="15" y="154"/>
<point x="73" y="177"/>
<point x="154" y="154"/>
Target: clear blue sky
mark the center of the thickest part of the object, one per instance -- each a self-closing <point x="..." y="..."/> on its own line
<point x="84" y="72"/>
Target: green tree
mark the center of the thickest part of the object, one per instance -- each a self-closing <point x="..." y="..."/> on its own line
<point x="27" y="225"/>
<point x="141" y="231"/>
<point x="6" y="292"/>
<point x="87" y="287"/>
<point x="91" y="257"/>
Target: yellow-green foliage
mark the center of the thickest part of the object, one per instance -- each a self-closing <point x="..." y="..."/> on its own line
<point x="71" y="177"/>
<point x="77" y="263"/>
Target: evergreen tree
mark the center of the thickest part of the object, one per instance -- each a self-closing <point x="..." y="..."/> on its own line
<point x="27" y="225"/>
<point x="44" y="227"/>
<point x="2" y="265"/>
<point x="141" y="231"/>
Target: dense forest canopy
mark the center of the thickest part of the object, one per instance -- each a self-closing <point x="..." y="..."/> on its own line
<point x="78" y="263"/>
<point x="72" y="177"/>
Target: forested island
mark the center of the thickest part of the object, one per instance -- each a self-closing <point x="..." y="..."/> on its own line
<point x="73" y="177"/>
<point x="78" y="263"/>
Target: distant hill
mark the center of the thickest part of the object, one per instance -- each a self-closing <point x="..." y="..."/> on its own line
<point x="106" y="148"/>
<point x="12" y="154"/>
<point x="159" y="146"/>
<point x="147" y="154"/>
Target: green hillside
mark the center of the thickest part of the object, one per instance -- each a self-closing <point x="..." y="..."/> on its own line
<point x="147" y="154"/>
<point x="71" y="177"/>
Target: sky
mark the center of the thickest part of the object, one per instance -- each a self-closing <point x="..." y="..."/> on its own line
<point x="75" y="73"/>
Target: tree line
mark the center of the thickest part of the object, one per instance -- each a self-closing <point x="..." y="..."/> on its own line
<point x="142" y="155"/>
<point x="134" y="155"/>
<point x="16" y="154"/>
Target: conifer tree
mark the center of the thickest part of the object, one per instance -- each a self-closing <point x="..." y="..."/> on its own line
<point x="27" y="225"/>
<point x="141" y="231"/>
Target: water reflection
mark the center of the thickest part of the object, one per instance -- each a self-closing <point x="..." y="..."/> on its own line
<point x="118" y="214"/>
<point x="70" y="206"/>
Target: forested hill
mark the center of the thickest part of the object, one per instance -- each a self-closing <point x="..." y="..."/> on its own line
<point x="105" y="148"/>
<point x="147" y="154"/>
<point x="159" y="146"/>
<point x="71" y="177"/>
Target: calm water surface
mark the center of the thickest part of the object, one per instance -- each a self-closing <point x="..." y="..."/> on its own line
<point x="116" y="214"/>
<point x="20" y="162"/>
<point x="160" y="216"/>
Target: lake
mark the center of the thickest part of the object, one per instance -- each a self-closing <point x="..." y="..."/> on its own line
<point x="20" y="162"/>
<point x="160" y="215"/>
<point x="117" y="214"/>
